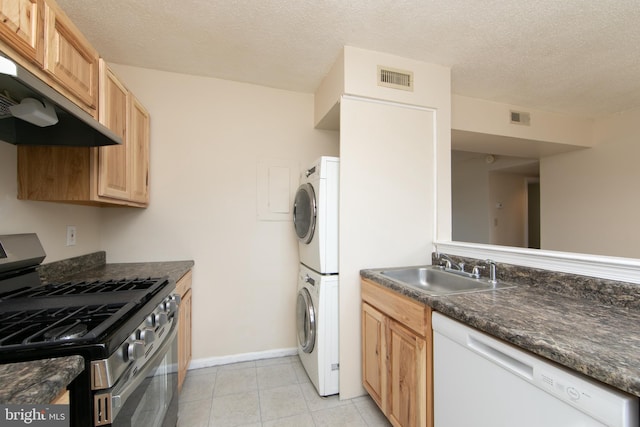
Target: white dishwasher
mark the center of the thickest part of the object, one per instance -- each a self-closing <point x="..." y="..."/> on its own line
<point x="480" y="381"/>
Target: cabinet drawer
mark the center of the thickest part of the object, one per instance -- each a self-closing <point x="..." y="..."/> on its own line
<point x="410" y="313"/>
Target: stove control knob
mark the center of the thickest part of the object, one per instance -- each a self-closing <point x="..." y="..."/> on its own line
<point x="151" y="321"/>
<point x="170" y="306"/>
<point x="133" y="350"/>
<point x="147" y="336"/>
<point x="162" y="319"/>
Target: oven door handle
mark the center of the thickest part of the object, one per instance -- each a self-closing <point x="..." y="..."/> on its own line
<point x="118" y="398"/>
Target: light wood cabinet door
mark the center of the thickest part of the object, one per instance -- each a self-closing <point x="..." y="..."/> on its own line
<point x="397" y="355"/>
<point x="69" y="57"/>
<point x="139" y="141"/>
<point x="22" y="27"/>
<point x="374" y="354"/>
<point x="183" y="288"/>
<point x="407" y="377"/>
<point x="123" y="170"/>
<point x="114" y="161"/>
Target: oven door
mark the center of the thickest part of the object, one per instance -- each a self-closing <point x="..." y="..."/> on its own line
<point x="150" y="397"/>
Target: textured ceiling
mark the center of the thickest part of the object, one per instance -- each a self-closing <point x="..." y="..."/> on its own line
<point x="575" y="56"/>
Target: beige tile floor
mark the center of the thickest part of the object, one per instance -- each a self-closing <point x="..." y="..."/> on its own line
<point x="267" y="393"/>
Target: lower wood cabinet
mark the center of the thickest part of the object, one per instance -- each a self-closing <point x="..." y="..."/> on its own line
<point x="61" y="399"/>
<point x="183" y="287"/>
<point x="397" y="349"/>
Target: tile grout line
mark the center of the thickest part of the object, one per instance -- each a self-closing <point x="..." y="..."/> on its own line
<point x="259" y="399"/>
<point x="213" y="393"/>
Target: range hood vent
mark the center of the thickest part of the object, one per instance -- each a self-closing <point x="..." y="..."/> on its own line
<point x="396" y="79"/>
<point x="60" y="121"/>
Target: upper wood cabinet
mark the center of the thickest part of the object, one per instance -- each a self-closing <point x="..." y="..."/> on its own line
<point x="139" y="136"/>
<point x="22" y="27"/>
<point x="114" y="161"/>
<point x="39" y="35"/>
<point x="123" y="171"/>
<point x="110" y="175"/>
<point x="69" y="57"/>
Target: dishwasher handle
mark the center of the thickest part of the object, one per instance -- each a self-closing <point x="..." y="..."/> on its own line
<point x="507" y="361"/>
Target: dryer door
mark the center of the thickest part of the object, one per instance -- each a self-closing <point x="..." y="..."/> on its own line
<point x="306" y="321"/>
<point x="305" y="212"/>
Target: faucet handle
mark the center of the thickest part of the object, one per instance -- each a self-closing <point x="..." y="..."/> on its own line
<point x="476" y="270"/>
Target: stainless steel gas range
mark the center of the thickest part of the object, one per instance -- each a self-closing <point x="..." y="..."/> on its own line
<point x="125" y="329"/>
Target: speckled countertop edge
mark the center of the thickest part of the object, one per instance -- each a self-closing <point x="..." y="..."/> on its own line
<point x="38" y="382"/>
<point x="598" y="340"/>
<point x="41" y="381"/>
<point x="56" y="272"/>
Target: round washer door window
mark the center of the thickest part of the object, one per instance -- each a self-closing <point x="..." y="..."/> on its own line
<point x="306" y="321"/>
<point x="304" y="213"/>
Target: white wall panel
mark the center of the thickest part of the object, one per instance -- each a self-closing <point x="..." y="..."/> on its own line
<point x="207" y="138"/>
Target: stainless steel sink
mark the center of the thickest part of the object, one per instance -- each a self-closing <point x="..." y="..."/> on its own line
<point x="436" y="281"/>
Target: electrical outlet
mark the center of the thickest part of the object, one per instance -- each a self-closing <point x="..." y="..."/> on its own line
<point x="71" y="235"/>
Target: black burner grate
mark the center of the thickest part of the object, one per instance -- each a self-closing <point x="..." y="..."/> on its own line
<point x="82" y="288"/>
<point x="54" y="325"/>
<point x="60" y="318"/>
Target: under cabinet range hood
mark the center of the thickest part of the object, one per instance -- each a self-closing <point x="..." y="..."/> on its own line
<point x="33" y="113"/>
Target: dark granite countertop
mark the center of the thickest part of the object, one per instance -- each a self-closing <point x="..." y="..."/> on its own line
<point x="38" y="382"/>
<point x="587" y="335"/>
<point x="41" y="381"/>
<point x="93" y="267"/>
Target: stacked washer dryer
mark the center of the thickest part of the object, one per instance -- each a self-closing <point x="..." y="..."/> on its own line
<point x="315" y="217"/>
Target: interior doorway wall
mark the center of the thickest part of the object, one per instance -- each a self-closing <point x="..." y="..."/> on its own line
<point x="533" y="213"/>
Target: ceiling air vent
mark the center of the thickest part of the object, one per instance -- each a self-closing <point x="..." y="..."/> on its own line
<point x="395" y="79"/>
<point x="520" y="118"/>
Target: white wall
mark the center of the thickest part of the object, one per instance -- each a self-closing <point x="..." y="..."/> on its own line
<point x="386" y="207"/>
<point x="388" y="166"/>
<point x="469" y="198"/>
<point x="477" y="187"/>
<point x="589" y="198"/>
<point x="508" y="221"/>
<point x="480" y="115"/>
<point x="207" y="137"/>
<point x="48" y="220"/>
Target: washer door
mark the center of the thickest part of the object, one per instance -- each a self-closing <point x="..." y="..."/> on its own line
<point x="306" y="321"/>
<point x="304" y="213"/>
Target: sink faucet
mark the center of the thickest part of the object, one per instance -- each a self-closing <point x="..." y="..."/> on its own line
<point x="492" y="271"/>
<point x="448" y="262"/>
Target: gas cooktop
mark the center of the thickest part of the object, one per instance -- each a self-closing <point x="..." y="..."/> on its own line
<point x="73" y="312"/>
<point x="56" y="317"/>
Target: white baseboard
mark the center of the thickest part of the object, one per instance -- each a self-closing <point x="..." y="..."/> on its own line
<point x="244" y="357"/>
